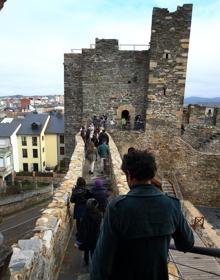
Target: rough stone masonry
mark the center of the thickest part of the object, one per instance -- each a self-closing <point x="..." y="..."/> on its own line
<point x="149" y="83"/>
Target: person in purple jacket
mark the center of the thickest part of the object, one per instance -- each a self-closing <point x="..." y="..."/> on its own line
<point x="100" y="193"/>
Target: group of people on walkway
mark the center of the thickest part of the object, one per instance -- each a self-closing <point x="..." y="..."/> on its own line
<point x="96" y="144"/>
<point x="133" y="241"/>
<point x="89" y="209"/>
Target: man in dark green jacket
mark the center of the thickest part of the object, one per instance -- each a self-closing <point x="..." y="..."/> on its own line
<point x="134" y="240"/>
<point x="103" y="151"/>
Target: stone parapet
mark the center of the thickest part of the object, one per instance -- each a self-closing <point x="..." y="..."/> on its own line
<point x="40" y="257"/>
<point x="118" y="177"/>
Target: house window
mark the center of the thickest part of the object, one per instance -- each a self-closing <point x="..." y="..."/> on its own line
<point x="43" y="150"/>
<point x="61" y="139"/>
<point x="24" y="141"/>
<point x="42" y="138"/>
<point x="35" y="153"/>
<point x="44" y="163"/>
<point x="24" y="153"/>
<point x="25" y="167"/>
<point x="62" y="151"/>
<point x="35" y="167"/>
<point x="34" y="141"/>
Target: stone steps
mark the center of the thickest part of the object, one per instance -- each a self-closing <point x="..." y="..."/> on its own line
<point x="167" y="188"/>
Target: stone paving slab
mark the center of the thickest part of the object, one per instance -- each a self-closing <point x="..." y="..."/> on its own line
<point x="73" y="266"/>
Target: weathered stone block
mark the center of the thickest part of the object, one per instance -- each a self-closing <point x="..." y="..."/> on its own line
<point x="185" y="46"/>
<point x="30" y="244"/>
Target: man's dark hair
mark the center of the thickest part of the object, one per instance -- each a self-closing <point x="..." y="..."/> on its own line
<point x="81" y="182"/>
<point x="139" y="165"/>
<point x="131" y="149"/>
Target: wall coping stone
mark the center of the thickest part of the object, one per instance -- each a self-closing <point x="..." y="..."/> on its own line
<point x="119" y="177"/>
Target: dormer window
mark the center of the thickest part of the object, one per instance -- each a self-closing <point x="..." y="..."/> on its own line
<point x="35" y="125"/>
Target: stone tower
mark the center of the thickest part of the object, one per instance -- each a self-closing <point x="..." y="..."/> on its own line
<point x="148" y="83"/>
<point x="167" y="68"/>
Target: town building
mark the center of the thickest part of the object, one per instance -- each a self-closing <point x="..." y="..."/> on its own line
<point x="31" y="142"/>
<point x="54" y="139"/>
<point x="8" y="150"/>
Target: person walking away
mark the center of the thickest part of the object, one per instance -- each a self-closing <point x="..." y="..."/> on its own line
<point x="91" y="129"/>
<point x="79" y="196"/>
<point x="95" y="138"/>
<point x="103" y="151"/>
<point x="91" y="156"/>
<point x="137" y="228"/>
<point x="87" y="236"/>
<point x="83" y="133"/>
<point x="103" y="136"/>
<point x="100" y="193"/>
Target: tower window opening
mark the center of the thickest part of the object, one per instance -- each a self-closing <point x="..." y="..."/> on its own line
<point x="164" y="91"/>
<point x="167" y="55"/>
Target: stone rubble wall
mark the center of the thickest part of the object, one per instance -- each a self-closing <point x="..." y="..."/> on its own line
<point x="73" y="101"/>
<point x="168" y="55"/>
<point x="203" y="138"/>
<point x="14" y="203"/>
<point x="40" y="257"/>
<point x="112" y="78"/>
<point x="203" y="115"/>
<point x="197" y="172"/>
<point x="118" y="177"/>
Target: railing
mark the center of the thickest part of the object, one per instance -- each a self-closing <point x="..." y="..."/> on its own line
<point x="212" y="252"/>
<point x="129" y="47"/>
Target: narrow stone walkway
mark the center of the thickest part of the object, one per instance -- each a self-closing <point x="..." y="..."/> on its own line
<point x="73" y="267"/>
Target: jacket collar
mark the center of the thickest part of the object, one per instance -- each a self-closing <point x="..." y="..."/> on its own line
<point x="144" y="190"/>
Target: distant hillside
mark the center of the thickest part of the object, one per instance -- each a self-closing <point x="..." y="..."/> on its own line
<point x="202" y="100"/>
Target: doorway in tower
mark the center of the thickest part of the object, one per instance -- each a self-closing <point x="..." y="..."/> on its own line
<point x="125" y="120"/>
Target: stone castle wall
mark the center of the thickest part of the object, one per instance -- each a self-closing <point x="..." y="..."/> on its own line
<point x="73" y="99"/>
<point x="40" y="257"/>
<point x="203" y="115"/>
<point x="202" y="138"/>
<point x="197" y="172"/>
<point x="147" y="83"/>
<point x="167" y="70"/>
<point x="104" y="80"/>
<point x="113" y="78"/>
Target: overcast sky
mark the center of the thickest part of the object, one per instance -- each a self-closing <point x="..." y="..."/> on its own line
<point x="35" y="34"/>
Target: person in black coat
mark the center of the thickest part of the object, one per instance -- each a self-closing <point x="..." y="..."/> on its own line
<point x="79" y="196"/>
<point x="100" y="193"/>
<point x="88" y="233"/>
<point x="134" y="240"/>
<point x="103" y="136"/>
